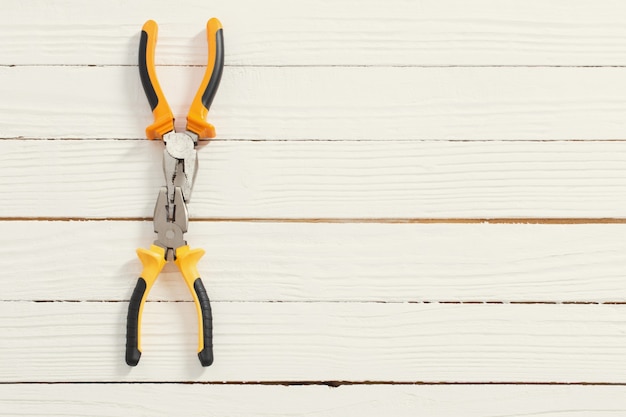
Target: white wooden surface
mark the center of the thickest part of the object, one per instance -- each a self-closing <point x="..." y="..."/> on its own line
<point x="321" y="32"/>
<point x="325" y="103"/>
<point x="362" y="146"/>
<point x="277" y="400"/>
<point x="318" y="341"/>
<point x="349" y="262"/>
<point x="244" y="179"/>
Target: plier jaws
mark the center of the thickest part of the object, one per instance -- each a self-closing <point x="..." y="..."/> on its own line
<point x="180" y="163"/>
<point x="170" y="229"/>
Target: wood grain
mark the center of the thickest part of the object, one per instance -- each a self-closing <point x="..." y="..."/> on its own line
<point x="314" y="180"/>
<point x="162" y="400"/>
<point x="320" y="32"/>
<point x="398" y="342"/>
<point x="432" y="111"/>
<point x="325" y="103"/>
<point x="325" y="262"/>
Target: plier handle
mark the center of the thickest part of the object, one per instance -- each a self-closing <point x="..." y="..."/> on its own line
<point x="196" y="118"/>
<point x="171" y="216"/>
<point x="153" y="261"/>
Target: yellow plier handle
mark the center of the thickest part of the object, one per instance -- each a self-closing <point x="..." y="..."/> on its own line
<point x="196" y="118"/>
<point x="163" y="116"/>
<point x="153" y="260"/>
<point x="187" y="260"/>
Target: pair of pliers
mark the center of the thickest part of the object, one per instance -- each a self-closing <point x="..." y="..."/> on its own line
<point x="171" y="217"/>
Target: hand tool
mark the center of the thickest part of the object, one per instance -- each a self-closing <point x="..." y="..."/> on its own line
<point x="180" y="164"/>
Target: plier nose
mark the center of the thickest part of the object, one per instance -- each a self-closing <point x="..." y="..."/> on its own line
<point x="171" y="216"/>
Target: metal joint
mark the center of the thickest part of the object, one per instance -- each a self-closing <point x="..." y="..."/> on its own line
<point x="180" y="163"/>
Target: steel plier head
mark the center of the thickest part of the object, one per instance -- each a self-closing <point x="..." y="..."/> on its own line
<point x="180" y="164"/>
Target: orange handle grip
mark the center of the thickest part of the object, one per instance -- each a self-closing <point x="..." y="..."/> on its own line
<point x="163" y="117"/>
<point x="196" y="118"/>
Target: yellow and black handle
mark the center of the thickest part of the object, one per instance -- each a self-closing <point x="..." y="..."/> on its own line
<point x="196" y="118"/>
<point x="153" y="260"/>
<point x="187" y="260"/>
<point x="163" y="116"/>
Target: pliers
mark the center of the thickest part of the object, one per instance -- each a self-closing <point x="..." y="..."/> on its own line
<point x="180" y="164"/>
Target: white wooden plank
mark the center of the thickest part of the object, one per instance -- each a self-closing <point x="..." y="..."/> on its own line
<point x="325" y="103"/>
<point x="321" y="32"/>
<point x="321" y="179"/>
<point x="325" y="262"/>
<point x="276" y="401"/>
<point x="318" y="341"/>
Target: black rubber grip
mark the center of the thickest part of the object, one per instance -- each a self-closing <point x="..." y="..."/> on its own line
<point x="132" y="324"/>
<point x="206" y="354"/>
<point x="151" y="94"/>
<point x="216" y="75"/>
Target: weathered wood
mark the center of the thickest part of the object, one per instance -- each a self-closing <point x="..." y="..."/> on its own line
<point x="157" y="400"/>
<point x="314" y="301"/>
<point x="325" y="103"/>
<point x="325" y="262"/>
<point x="318" y="341"/>
<point x="320" y="32"/>
<point x="321" y="179"/>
